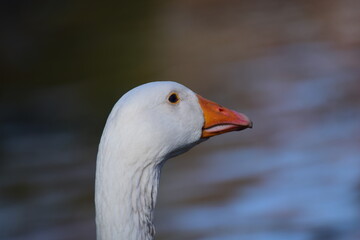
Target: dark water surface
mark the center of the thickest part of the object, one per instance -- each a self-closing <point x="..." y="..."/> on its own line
<point x="292" y="67"/>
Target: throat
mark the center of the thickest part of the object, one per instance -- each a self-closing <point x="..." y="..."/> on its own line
<point x="125" y="198"/>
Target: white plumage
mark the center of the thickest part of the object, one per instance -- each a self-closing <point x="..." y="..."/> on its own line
<point x="147" y="126"/>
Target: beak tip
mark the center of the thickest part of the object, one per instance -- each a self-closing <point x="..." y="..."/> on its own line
<point x="251" y="124"/>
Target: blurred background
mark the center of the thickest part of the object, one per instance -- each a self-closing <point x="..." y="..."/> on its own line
<point x="292" y="66"/>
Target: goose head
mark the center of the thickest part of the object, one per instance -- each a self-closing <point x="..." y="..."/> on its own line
<point x="148" y="125"/>
<point x="168" y="118"/>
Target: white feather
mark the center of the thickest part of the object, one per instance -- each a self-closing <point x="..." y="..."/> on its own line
<point x="143" y="130"/>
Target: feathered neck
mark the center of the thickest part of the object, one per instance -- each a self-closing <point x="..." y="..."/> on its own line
<point x="125" y="197"/>
<point x="127" y="178"/>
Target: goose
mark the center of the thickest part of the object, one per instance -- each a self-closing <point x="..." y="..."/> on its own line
<point x="148" y="125"/>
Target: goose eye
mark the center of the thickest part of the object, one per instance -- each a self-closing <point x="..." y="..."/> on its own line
<point x="173" y="98"/>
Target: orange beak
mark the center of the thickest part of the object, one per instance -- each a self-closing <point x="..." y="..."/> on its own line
<point x="219" y="120"/>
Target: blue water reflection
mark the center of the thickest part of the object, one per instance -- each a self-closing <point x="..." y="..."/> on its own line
<point x="300" y="179"/>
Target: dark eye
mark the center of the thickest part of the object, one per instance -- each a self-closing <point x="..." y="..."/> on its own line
<point x="173" y="98"/>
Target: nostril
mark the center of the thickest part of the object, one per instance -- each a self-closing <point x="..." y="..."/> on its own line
<point x="220" y="109"/>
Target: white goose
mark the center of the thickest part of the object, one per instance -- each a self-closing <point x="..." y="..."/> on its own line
<point x="148" y="125"/>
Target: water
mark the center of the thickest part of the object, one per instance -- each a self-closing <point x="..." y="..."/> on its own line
<point x="291" y="67"/>
<point x="297" y="177"/>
